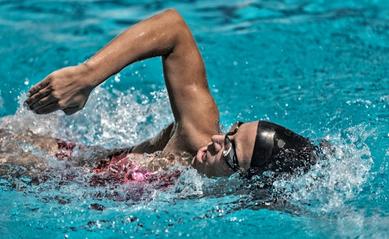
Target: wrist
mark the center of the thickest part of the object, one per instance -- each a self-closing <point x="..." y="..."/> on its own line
<point x="91" y="75"/>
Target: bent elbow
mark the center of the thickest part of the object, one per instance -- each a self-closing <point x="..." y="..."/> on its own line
<point x="175" y="18"/>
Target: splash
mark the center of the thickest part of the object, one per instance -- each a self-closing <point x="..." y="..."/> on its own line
<point x="335" y="179"/>
<point x="114" y="119"/>
<point x="110" y="119"/>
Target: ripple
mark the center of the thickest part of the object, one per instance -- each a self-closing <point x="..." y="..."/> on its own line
<point x="317" y="67"/>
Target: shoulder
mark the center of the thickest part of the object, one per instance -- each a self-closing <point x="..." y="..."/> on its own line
<point x="188" y="138"/>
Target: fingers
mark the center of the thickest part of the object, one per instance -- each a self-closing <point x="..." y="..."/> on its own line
<point x="47" y="108"/>
<point x="43" y="102"/>
<point x="39" y="86"/>
<point x="33" y="100"/>
<point x="38" y="91"/>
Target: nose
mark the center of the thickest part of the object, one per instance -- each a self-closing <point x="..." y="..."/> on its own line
<point x="217" y="138"/>
<point x="216" y="145"/>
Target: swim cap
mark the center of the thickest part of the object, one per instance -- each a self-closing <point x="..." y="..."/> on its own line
<point x="280" y="150"/>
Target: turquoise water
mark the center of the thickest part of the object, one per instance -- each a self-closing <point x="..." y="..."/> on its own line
<point x="317" y="67"/>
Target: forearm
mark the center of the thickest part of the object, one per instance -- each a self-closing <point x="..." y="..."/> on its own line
<point x="167" y="35"/>
<point x="156" y="36"/>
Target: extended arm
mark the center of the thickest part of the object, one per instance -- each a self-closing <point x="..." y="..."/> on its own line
<point x="165" y="35"/>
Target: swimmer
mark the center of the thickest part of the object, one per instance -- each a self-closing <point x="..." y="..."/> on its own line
<point x="248" y="148"/>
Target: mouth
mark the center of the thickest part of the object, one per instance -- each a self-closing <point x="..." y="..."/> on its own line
<point x="200" y="156"/>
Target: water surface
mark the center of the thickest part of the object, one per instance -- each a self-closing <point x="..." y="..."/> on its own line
<point x="317" y="67"/>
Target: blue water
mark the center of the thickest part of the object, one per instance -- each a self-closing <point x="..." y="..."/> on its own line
<point x="318" y="67"/>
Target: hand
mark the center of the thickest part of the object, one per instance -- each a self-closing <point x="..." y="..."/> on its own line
<point x="66" y="89"/>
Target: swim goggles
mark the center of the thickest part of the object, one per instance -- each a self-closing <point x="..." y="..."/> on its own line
<point x="229" y="152"/>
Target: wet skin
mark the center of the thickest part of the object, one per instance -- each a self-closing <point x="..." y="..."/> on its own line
<point x="209" y="159"/>
<point x="196" y="116"/>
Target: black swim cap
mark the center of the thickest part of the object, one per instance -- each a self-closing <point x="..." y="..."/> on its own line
<point x="280" y="150"/>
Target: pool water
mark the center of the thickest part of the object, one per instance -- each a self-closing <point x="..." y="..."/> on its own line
<point x="320" y="68"/>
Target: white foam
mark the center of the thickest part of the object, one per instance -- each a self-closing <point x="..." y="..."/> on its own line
<point x="124" y="118"/>
<point x="109" y="119"/>
<point x="332" y="182"/>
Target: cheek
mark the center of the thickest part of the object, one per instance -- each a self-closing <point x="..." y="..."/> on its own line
<point x="217" y="166"/>
<point x="218" y="147"/>
<point x="212" y="166"/>
<point x="211" y="159"/>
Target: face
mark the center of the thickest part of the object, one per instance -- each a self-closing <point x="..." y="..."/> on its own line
<point x="209" y="159"/>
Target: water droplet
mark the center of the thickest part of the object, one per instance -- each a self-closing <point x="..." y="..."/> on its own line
<point x="117" y="78"/>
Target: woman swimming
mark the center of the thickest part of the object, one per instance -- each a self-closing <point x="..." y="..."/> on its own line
<point x="248" y="148"/>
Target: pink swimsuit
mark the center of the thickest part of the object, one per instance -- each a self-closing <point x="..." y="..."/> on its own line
<point x="120" y="169"/>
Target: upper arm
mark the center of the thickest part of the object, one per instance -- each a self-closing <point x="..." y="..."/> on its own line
<point x="193" y="106"/>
